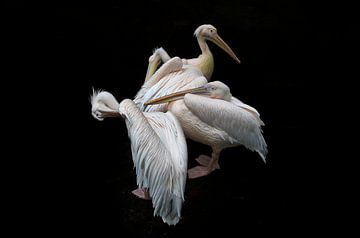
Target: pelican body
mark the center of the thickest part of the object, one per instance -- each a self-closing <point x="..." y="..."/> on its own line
<point x="212" y="116"/>
<point x="159" y="153"/>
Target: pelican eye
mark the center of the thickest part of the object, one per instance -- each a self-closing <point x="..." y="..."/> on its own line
<point x="211" y="88"/>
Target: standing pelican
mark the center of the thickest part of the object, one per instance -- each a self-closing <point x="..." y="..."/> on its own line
<point x="204" y="62"/>
<point x="159" y="153"/>
<point x="212" y="116"/>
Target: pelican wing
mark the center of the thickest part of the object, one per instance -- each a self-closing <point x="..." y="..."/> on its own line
<point x="239" y="122"/>
<point x="160" y="156"/>
<point x="188" y="77"/>
<point x="239" y="103"/>
<point x="173" y="65"/>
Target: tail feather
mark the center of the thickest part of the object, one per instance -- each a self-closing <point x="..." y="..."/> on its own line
<point x="173" y="213"/>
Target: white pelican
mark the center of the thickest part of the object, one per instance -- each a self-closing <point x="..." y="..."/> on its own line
<point x="212" y="116"/>
<point x="204" y="62"/>
<point x="159" y="153"/>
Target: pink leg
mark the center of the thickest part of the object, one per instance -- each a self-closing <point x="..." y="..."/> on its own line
<point x="208" y="165"/>
<point x="142" y="193"/>
<point x="205" y="161"/>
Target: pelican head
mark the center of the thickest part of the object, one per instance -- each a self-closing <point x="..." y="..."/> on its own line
<point x="217" y="90"/>
<point x="103" y="104"/>
<point x="209" y="32"/>
<point x="214" y="89"/>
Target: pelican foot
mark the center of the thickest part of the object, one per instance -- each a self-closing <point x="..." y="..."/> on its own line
<point x="198" y="171"/>
<point x="141" y="193"/>
<point x="205" y="161"/>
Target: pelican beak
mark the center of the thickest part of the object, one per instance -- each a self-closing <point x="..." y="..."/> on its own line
<point x="112" y="114"/>
<point x="221" y="43"/>
<point x="176" y="96"/>
<point x="101" y="114"/>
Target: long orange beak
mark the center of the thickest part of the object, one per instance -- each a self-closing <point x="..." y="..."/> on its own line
<point x="175" y="96"/>
<point x="221" y="43"/>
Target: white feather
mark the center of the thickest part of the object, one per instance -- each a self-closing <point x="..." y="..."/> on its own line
<point x="168" y="68"/>
<point x="240" y="123"/>
<point x="176" y="78"/>
<point x="160" y="157"/>
<point x="239" y="103"/>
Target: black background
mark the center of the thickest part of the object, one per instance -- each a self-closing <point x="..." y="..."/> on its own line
<point x="77" y="178"/>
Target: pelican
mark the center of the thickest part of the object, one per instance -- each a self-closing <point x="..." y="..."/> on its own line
<point x="159" y="153"/>
<point x="209" y="114"/>
<point x="204" y="62"/>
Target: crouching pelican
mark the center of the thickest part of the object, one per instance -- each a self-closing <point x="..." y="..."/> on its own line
<point x="210" y="115"/>
<point x="158" y="149"/>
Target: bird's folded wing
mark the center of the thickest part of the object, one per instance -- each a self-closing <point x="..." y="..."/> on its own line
<point x="171" y="83"/>
<point x="170" y="67"/>
<point x="239" y="103"/>
<point x="238" y="122"/>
